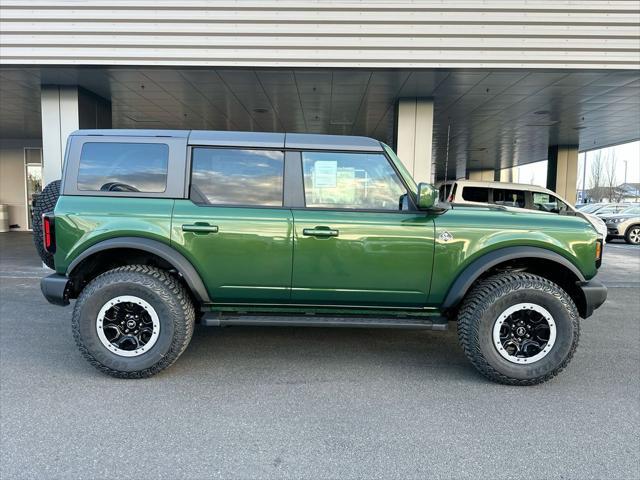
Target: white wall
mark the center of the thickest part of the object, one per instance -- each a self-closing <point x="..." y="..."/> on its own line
<point x="376" y="33"/>
<point x="12" y="179"/>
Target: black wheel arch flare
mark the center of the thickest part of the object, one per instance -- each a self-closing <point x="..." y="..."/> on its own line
<point x="155" y="247"/>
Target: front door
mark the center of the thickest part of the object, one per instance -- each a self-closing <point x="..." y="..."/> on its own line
<point x="234" y="228"/>
<point x="358" y="242"/>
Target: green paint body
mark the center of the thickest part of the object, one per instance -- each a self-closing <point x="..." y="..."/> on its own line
<point x="378" y="260"/>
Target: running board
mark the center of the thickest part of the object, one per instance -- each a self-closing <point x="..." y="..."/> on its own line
<point x="214" y="319"/>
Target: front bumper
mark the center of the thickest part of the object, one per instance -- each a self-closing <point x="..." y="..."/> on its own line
<point x="56" y="289"/>
<point x="595" y="294"/>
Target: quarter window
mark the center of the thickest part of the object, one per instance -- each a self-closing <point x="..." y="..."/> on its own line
<point x="351" y="180"/>
<point x="123" y="167"/>
<point x="224" y="176"/>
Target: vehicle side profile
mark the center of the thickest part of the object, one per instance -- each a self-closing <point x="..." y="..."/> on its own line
<point x="154" y="231"/>
<point x="514" y="195"/>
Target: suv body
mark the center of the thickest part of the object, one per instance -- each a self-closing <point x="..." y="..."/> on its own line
<point x="625" y="224"/>
<point x="231" y="228"/>
<point x="515" y="195"/>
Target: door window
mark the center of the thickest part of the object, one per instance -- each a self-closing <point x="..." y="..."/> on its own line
<point x="351" y="181"/>
<point x="548" y="203"/>
<point x="508" y="197"/>
<point x="224" y="176"/>
<point x="475" y="194"/>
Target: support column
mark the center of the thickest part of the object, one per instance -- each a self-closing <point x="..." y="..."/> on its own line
<point x="562" y="171"/>
<point x="414" y="134"/>
<point x="64" y="110"/>
<point x="482" y="175"/>
<point x="509" y="175"/>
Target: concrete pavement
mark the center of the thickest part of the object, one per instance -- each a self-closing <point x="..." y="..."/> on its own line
<point x="313" y="403"/>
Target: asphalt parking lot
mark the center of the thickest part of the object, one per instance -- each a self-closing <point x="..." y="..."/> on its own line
<point x="314" y="403"/>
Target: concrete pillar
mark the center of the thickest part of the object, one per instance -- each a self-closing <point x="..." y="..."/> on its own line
<point x="562" y="171"/>
<point x="64" y="110"/>
<point x="414" y="134"/>
<point x="482" y="175"/>
<point x="509" y="175"/>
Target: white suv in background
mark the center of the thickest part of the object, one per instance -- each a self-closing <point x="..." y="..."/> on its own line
<point x="514" y="195"/>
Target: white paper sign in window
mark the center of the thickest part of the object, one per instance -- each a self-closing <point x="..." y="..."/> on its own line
<point x="325" y="174"/>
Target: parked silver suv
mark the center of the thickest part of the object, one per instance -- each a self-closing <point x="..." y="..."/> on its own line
<point x="625" y="224"/>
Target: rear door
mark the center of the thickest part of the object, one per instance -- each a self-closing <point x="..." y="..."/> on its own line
<point x="358" y="241"/>
<point x="234" y="228"/>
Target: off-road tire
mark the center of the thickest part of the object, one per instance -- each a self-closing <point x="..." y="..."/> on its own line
<point x="492" y="296"/>
<point x="45" y="203"/>
<point x="163" y="292"/>
<point x="631" y="234"/>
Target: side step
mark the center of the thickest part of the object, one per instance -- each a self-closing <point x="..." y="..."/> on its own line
<point x="215" y="319"/>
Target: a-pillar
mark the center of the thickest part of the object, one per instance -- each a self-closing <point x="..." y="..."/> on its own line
<point x="414" y="134"/>
<point x="64" y="110"/>
<point x="562" y="171"/>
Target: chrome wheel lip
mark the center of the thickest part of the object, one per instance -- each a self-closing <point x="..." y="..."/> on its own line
<point x="147" y="307"/>
<point x="497" y="343"/>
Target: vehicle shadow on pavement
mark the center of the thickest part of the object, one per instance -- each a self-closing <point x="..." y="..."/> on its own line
<point x="302" y="355"/>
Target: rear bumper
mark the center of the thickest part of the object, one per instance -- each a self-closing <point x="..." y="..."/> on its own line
<point x="595" y="294"/>
<point x="55" y="289"/>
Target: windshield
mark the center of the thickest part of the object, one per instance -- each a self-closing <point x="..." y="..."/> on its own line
<point x="631" y="211"/>
<point x="404" y="173"/>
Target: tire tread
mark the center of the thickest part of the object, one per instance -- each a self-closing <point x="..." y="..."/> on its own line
<point x="152" y="278"/>
<point x="483" y="295"/>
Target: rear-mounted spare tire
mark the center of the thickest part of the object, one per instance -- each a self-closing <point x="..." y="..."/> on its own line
<point x="45" y="203"/>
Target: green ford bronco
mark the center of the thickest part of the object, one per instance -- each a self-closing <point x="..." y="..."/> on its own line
<point x="154" y="231"/>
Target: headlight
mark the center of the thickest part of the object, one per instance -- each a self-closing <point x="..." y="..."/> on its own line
<point x="616" y="220"/>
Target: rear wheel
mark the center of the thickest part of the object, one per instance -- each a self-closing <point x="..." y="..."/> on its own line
<point x="518" y="328"/>
<point x="632" y="235"/>
<point x="45" y="203"/>
<point x="133" y="321"/>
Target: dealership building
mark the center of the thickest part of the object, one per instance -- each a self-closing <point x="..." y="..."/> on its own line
<point x="460" y="89"/>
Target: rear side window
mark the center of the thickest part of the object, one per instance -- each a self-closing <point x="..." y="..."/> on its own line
<point x="508" y="197"/>
<point x="123" y="167"/>
<point x="225" y="176"/>
<point x="475" y="194"/>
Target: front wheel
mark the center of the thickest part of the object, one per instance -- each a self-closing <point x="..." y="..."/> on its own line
<point x="632" y="235"/>
<point x="133" y="321"/>
<point x="518" y="328"/>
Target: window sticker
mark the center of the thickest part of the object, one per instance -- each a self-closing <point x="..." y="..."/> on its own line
<point x="325" y="173"/>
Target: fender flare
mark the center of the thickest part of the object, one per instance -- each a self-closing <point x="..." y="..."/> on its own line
<point x="470" y="274"/>
<point x="162" y="250"/>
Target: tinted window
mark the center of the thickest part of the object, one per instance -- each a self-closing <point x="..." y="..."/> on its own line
<point x="123" y="167"/>
<point x="237" y="177"/>
<point x="475" y="194"/>
<point x="508" y="198"/>
<point x="350" y="180"/>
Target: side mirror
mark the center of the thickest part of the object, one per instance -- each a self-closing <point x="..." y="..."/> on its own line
<point x="427" y="196"/>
